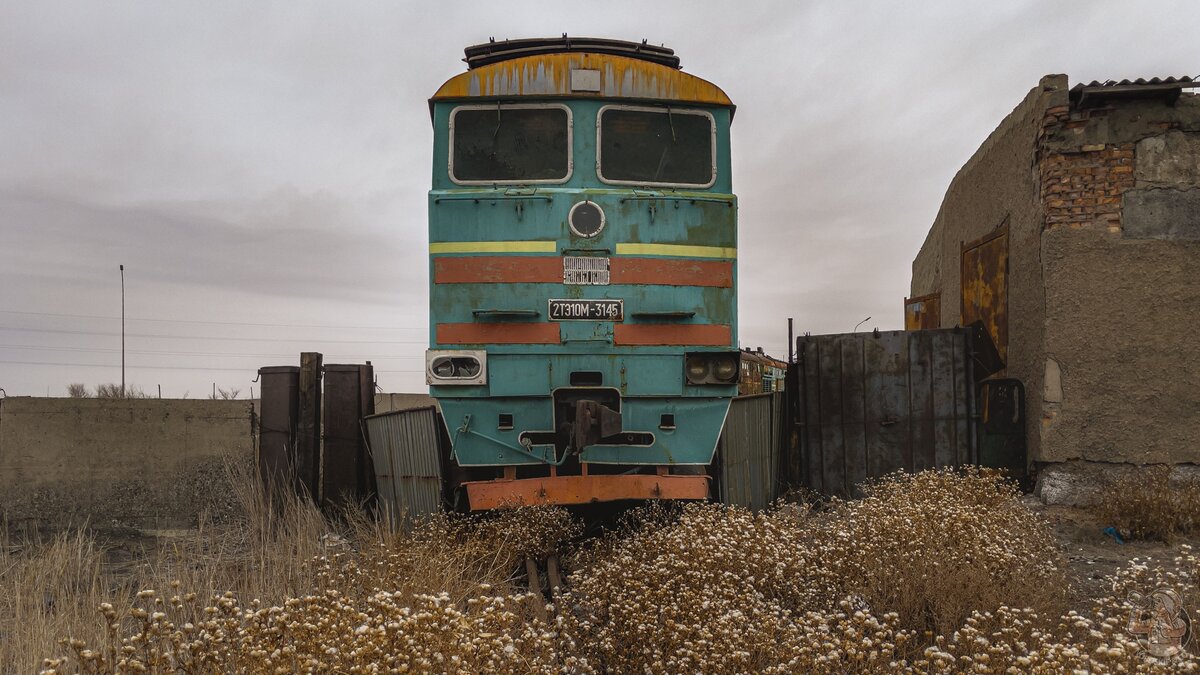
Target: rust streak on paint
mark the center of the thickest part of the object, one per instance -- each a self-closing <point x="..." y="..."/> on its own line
<point x="498" y="334"/>
<point x="704" y="335"/>
<point x="498" y="270"/>
<point x="670" y="272"/>
<point x="549" y="75"/>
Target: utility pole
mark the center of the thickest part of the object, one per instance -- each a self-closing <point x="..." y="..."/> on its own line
<point x="122" y="331"/>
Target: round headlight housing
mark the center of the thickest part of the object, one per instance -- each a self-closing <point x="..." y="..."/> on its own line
<point x="586" y="219"/>
<point x="443" y="367"/>
<point x="696" y="368"/>
<point x="467" y="367"/>
<point x="726" y="369"/>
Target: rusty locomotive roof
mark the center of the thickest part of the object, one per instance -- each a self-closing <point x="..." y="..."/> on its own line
<point x="494" y="52"/>
<point x="545" y="68"/>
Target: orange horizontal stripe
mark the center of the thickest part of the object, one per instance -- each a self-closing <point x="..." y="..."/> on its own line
<point x="672" y="272"/>
<point x="498" y="269"/>
<point x="498" y="334"/>
<point x="499" y="494"/>
<point x="507" y="269"/>
<point x="648" y="334"/>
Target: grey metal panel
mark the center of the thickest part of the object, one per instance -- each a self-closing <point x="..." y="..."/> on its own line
<point x="749" y="450"/>
<point x="348" y="397"/>
<point x="278" y="409"/>
<point x="873" y="403"/>
<point x="405" y="446"/>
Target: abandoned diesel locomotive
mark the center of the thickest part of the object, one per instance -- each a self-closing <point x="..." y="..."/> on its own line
<point x="583" y="265"/>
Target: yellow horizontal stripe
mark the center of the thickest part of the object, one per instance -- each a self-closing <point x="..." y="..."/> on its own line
<point x="680" y="250"/>
<point x="493" y="247"/>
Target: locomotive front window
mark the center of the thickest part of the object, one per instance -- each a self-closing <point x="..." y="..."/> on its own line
<point x="652" y="146"/>
<point x="510" y="144"/>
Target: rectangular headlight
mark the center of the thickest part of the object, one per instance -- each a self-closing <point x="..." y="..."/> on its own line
<point x="457" y="366"/>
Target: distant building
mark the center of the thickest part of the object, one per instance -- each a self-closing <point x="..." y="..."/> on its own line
<point x="761" y="373"/>
<point x="1073" y="233"/>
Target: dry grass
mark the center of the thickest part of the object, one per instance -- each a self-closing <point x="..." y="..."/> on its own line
<point x="937" y="572"/>
<point x="1147" y="504"/>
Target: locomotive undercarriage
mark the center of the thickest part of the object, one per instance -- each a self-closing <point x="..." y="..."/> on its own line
<point x="595" y="446"/>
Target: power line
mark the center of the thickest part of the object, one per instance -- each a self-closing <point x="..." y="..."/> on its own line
<point x="100" y="350"/>
<point x="61" y="331"/>
<point x="214" y="323"/>
<point x="108" y="365"/>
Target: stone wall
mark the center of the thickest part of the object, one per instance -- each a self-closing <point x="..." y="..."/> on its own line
<point x="144" y="463"/>
<point x="1121" y="263"/>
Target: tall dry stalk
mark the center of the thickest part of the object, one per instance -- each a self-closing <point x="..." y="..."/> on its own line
<point x="52" y="589"/>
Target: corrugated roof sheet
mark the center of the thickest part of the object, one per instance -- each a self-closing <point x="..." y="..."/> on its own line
<point x="1099" y="93"/>
<point x="1141" y="81"/>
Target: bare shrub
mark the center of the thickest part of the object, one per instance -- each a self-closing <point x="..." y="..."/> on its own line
<point x="78" y="390"/>
<point x="1147" y="504"/>
<point x="220" y="394"/>
<point x="721" y="590"/>
<point x="117" y="391"/>
<point x="937" y="545"/>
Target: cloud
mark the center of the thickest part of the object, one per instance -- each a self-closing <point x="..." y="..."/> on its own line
<point x="272" y="159"/>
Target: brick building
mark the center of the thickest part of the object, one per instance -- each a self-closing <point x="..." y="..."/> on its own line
<point x="1073" y="233"/>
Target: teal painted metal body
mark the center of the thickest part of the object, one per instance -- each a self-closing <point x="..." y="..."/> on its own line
<point x="649" y="379"/>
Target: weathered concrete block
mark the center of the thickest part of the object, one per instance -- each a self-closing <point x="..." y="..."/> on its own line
<point x="145" y="463"/>
<point x="1162" y="213"/>
<point x="1086" y="483"/>
<point x="1172" y="159"/>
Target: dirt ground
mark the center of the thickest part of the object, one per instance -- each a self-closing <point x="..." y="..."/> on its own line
<point x="1092" y="554"/>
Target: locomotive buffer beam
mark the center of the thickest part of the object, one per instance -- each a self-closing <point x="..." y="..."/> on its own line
<point x="594" y="421"/>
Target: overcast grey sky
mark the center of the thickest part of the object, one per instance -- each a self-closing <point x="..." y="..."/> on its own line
<point x="260" y="168"/>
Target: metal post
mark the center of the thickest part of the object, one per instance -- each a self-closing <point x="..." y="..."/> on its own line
<point x="122" y="331"/>
<point x="791" y="342"/>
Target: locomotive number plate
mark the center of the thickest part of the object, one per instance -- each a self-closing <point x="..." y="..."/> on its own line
<point x="585" y="271"/>
<point x="587" y="310"/>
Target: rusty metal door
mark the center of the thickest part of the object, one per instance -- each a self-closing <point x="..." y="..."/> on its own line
<point x="923" y="312"/>
<point x="985" y="286"/>
<point x="872" y="403"/>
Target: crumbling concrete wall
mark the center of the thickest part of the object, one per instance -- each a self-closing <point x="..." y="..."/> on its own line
<point x="998" y="187"/>
<point x="1121" y="262"/>
<point x="389" y="402"/>
<point x="1103" y="209"/>
<point x="145" y="463"/>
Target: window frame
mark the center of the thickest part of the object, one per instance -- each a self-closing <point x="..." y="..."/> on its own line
<point x="511" y="106"/>
<point x="712" y="125"/>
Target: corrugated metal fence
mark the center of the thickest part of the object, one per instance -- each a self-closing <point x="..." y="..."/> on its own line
<point x="873" y="403"/>
<point x="406" y="448"/>
<point x="749" y="450"/>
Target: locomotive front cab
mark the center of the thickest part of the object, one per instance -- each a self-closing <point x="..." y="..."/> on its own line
<point x="583" y="248"/>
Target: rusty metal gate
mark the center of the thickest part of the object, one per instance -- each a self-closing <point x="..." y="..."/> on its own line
<point x="749" y="450"/>
<point x="872" y="403"/>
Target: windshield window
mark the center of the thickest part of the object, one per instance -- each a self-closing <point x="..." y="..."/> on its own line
<point x="656" y="147"/>
<point x="508" y="144"/>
